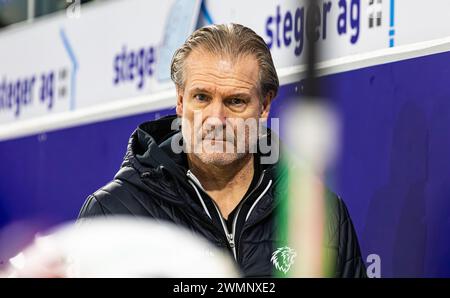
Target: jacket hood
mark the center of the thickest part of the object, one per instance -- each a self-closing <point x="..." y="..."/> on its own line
<point x="149" y="151"/>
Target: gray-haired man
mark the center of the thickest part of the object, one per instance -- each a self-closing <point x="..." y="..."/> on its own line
<point x="217" y="185"/>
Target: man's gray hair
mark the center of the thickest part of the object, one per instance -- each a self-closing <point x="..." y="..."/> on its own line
<point x="231" y="41"/>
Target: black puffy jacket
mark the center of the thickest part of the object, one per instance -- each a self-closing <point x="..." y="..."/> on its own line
<point x="153" y="182"/>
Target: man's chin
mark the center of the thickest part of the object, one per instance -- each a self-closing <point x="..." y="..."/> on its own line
<point x="219" y="159"/>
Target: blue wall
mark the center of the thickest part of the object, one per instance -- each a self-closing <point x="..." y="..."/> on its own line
<point x="393" y="171"/>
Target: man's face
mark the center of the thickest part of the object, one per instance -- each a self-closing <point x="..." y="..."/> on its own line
<point x="219" y="97"/>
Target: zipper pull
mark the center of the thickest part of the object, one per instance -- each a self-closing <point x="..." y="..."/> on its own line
<point x="231" y="240"/>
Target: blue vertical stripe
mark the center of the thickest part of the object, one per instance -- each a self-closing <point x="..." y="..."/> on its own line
<point x="392" y="22"/>
<point x="74" y="61"/>
<point x="205" y="13"/>
<point x="392" y="12"/>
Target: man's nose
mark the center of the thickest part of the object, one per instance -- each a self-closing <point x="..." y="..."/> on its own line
<point x="216" y="113"/>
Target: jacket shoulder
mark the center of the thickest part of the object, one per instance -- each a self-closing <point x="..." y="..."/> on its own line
<point x="115" y="198"/>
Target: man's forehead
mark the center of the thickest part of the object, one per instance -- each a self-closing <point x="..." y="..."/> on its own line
<point x="209" y="68"/>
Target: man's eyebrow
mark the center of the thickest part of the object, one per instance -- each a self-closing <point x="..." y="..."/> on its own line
<point x="239" y="95"/>
<point x="244" y="95"/>
<point x="200" y="90"/>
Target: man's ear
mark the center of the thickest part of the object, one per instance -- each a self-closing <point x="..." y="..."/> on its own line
<point x="179" y="108"/>
<point x="265" y="108"/>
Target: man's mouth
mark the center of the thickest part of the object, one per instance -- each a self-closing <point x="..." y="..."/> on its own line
<point x="215" y="140"/>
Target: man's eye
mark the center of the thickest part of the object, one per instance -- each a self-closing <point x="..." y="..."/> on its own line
<point x="201" y="97"/>
<point x="236" y="101"/>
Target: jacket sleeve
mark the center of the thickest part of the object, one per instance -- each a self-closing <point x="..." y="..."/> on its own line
<point x="350" y="263"/>
<point x="91" y="208"/>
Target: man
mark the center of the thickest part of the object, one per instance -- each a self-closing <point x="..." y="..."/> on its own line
<point x="224" y="75"/>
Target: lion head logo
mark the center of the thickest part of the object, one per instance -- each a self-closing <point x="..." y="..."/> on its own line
<point x="283" y="258"/>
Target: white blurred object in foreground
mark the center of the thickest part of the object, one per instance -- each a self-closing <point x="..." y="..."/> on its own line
<point x="121" y="247"/>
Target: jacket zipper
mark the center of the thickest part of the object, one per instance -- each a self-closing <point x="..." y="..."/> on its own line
<point x="231" y="237"/>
